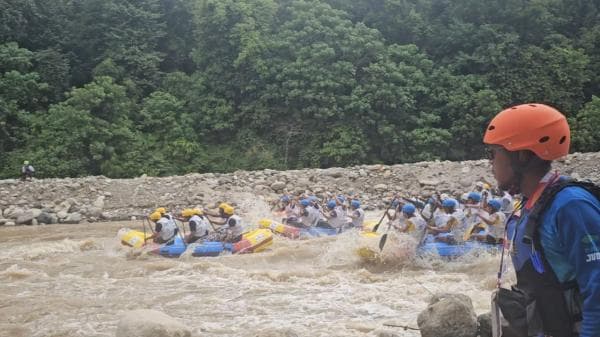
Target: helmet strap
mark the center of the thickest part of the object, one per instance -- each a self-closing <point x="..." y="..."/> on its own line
<point x="523" y="162"/>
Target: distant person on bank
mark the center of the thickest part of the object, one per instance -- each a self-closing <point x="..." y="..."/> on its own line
<point x="27" y="171"/>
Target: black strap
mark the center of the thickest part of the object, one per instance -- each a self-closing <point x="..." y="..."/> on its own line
<point x="535" y="216"/>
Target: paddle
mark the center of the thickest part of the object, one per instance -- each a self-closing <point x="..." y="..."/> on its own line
<point x="428" y="221"/>
<point x="383" y="216"/>
<point x="383" y="239"/>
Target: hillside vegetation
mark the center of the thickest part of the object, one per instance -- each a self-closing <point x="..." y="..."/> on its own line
<point x="163" y="87"/>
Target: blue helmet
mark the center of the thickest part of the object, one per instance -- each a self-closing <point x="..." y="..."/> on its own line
<point x="495" y="204"/>
<point x="305" y="202"/>
<point x="331" y="204"/>
<point x="355" y="203"/>
<point x="408" y="208"/>
<point x="449" y="202"/>
<point x="285" y="198"/>
<point x="474" y="196"/>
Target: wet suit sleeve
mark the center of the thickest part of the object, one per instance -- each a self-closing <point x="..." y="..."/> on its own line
<point x="231" y="222"/>
<point x="580" y="236"/>
<point x="193" y="226"/>
<point x="158" y="227"/>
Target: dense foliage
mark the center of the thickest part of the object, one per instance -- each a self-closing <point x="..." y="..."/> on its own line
<point x="125" y="87"/>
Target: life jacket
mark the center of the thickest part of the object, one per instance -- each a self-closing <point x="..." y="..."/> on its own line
<point x="168" y="229"/>
<point x="558" y="305"/>
<point x="340" y="217"/>
<point x="201" y="226"/>
<point x="358" y="221"/>
<point x="235" y="227"/>
<point x="310" y="217"/>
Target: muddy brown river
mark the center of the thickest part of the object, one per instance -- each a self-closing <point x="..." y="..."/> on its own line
<point x="77" y="280"/>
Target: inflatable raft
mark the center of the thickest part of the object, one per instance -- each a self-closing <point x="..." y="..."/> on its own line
<point x="428" y="247"/>
<point x="252" y="242"/>
<point x="442" y="249"/>
<point x="295" y="232"/>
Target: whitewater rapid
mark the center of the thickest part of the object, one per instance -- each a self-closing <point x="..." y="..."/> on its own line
<point x="77" y="280"/>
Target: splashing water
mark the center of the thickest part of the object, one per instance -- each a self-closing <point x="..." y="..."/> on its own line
<point x="77" y="280"/>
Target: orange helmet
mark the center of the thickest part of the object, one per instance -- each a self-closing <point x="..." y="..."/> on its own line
<point x="536" y="127"/>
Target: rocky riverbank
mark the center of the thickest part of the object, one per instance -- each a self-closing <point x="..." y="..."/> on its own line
<point x="74" y="200"/>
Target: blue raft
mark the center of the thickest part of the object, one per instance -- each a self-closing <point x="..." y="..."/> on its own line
<point x="443" y="249"/>
<point x="207" y="248"/>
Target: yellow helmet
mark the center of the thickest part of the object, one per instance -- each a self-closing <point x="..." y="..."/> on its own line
<point x="154" y="216"/>
<point x="161" y="210"/>
<point x="224" y="205"/>
<point x="487" y="186"/>
<point x="187" y="213"/>
<point x="26" y="162"/>
<point x="197" y="211"/>
<point x="228" y="210"/>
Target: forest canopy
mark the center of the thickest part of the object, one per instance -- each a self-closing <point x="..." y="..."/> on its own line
<point x="161" y="87"/>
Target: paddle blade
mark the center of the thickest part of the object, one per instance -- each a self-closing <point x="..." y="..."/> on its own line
<point x="376" y="227"/>
<point x="382" y="241"/>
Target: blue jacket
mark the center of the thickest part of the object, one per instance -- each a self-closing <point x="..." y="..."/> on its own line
<point x="570" y="237"/>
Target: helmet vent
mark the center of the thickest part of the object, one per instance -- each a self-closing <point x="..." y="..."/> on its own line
<point x="562" y="139"/>
<point x="544" y="139"/>
<point x="491" y="128"/>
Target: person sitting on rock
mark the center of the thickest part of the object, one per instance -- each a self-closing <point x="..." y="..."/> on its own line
<point x="27" y="171"/>
<point x="199" y="225"/>
<point x="494" y="221"/>
<point x="165" y="229"/>
<point x="448" y="227"/>
<point x="357" y="214"/>
<point x="231" y="224"/>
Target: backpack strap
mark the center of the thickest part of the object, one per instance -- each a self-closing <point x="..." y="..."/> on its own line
<point x="535" y="216"/>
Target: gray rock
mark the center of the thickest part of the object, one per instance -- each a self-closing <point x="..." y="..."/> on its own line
<point x="72" y="218"/>
<point x="9" y="223"/>
<point x="44" y="217"/>
<point x="12" y="212"/>
<point x="93" y="211"/>
<point x="150" y="323"/>
<point x="278" y="186"/>
<point x="99" y="202"/>
<point x="429" y="182"/>
<point x="381" y="187"/>
<point x="34" y="222"/>
<point x="465" y="182"/>
<point x="61" y="214"/>
<point x="448" y="315"/>
<point x="484" y="321"/>
<point x="25" y="218"/>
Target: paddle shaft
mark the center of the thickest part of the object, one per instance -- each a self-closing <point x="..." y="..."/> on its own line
<point x="383" y="216"/>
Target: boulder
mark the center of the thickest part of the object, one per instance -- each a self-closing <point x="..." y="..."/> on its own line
<point x="484" y="322"/>
<point x="278" y="186"/>
<point x="448" y="315"/>
<point x="25" y="218"/>
<point x="150" y="323"/>
<point x="12" y="212"/>
<point x="72" y="218"/>
<point x="99" y="203"/>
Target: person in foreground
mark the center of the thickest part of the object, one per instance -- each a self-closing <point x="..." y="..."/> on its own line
<point x="555" y="242"/>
